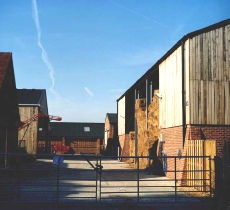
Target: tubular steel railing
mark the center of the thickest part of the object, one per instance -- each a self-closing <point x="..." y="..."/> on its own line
<point x="146" y="185"/>
<point x="102" y="179"/>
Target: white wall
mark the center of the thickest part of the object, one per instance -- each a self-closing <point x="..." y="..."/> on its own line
<point x="170" y="87"/>
<point x="121" y="116"/>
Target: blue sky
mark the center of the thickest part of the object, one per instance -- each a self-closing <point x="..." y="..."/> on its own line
<point x="87" y="53"/>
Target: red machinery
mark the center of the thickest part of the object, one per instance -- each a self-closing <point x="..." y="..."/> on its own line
<point x="36" y="117"/>
<point x="55" y="148"/>
<point x="59" y="149"/>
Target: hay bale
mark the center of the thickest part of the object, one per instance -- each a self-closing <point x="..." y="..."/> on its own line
<point x="153" y="118"/>
<point x="142" y="132"/>
<point x="146" y="138"/>
<point x="141" y="104"/>
<point x="132" y="143"/>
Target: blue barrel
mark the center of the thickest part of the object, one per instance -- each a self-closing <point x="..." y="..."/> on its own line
<point x="57" y="159"/>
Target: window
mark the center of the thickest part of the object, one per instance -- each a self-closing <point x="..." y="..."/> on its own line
<point x="40" y="129"/>
<point x="86" y="129"/>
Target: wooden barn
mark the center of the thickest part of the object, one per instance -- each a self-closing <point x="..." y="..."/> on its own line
<point x="111" y="144"/>
<point x="31" y="102"/>
<point x="191" y="83"/>
<point x="197" y="109"/>
<point x="9" y="114"/>
<point x="80" y="137"/>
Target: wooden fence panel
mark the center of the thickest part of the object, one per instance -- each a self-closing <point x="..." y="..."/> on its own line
<point x="209" y="150"/>
<point x="195" y="164"/>
<point x="199" y="171"/>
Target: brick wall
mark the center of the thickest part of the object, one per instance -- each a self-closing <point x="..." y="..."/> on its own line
<point x="124" y="144"/>
<point x="174" y="142"/>
<point x="219" y="133"/>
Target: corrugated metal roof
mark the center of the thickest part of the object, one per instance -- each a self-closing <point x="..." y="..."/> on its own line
<point x="112" y="117"/>
<point x="77" y="130"/>
<point x="30" y="96"/>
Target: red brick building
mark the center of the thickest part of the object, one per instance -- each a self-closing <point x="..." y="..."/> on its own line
<point x="111" y="144"/>
<point x="9" y="114"/>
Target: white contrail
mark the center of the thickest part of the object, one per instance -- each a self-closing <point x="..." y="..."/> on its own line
<point x="136" y="13"/>
<point x="44" y="53"/>
<point x="89" y="92"/>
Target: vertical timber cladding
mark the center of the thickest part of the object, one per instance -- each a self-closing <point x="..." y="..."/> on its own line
<point x="210" y="77"/>
<point x="170" y="86"/>
<point x="31" y="133"/>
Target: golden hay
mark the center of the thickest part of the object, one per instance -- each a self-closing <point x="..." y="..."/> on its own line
<point x="146" y="136"/>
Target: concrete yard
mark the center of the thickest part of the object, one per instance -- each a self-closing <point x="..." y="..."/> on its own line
<point x="79" y="186"/>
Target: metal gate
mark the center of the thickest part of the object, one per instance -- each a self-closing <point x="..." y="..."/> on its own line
<point x="165" y="183"/>
<point x="49" y="179"/>
<point x="97" y="179"/>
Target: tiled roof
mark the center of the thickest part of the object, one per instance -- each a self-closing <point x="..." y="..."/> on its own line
<point x="79" y="130"/>
<point x="112" y="117"/>
<point x="30" y="96"/>
<point x="5" y="58"/>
